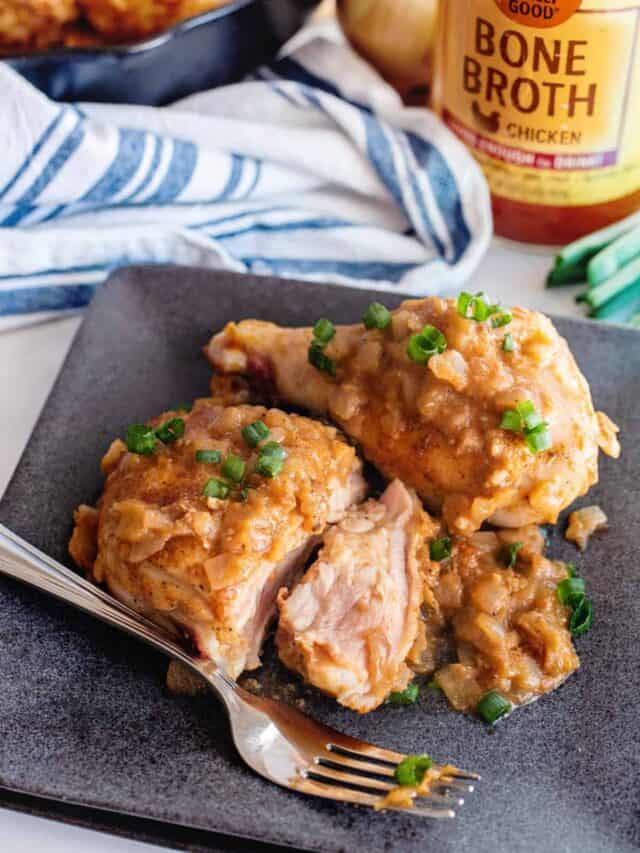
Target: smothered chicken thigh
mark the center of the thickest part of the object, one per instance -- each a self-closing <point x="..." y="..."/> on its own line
<point x="435" y="419"/>
<point x="349" y="625"/>
<point x="204" y="543"/>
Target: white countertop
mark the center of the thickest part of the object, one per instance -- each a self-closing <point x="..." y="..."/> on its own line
<point x="29" y="363"/>
<point x="21" y="833"/>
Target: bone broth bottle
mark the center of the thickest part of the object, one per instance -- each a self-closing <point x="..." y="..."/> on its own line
<point x="546" y="94"/>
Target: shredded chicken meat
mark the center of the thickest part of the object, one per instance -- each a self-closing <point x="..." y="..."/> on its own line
<point x="349" y="625"/>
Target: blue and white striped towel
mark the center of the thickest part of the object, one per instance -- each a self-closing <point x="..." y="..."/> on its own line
<point x="311" y="169"/>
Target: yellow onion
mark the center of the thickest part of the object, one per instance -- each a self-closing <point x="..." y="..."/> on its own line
<point x="396" y="37"/>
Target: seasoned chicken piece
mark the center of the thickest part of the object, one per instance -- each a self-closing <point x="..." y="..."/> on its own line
<point x="191" y="8"/>
<point x="496" y="601"/>
<point x="119" y="20"/>
<point x="351" y="622"/>
<point x="436" y="425"/>
<point x="34" y="24"/>
<point x="212" y="565"/>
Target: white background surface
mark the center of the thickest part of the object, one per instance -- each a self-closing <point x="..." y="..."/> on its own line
<point x="29" y="362"/>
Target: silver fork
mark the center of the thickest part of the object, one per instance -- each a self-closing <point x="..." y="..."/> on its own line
<point x="275" y="740"/>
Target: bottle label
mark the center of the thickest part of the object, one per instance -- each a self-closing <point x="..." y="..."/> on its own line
<point x="546" y="93"/>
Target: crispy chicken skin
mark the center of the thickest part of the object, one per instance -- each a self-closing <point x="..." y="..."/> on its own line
<point x="119" y="20"/>
<point x="351" y="622"/>
<point x="40" y="24"/>
<point x="191" y="8"/>
<point x="208" y="566"/>
<point x="34" y="24"/>
<point x="437" y="426"/>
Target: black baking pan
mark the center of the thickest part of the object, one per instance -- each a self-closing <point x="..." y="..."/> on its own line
<point x="209" y="50"/>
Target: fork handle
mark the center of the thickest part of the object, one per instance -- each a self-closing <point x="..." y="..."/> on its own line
<point x="25" y="563"/>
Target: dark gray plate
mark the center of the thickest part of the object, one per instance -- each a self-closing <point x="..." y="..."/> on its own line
<point x="84" y="717"/>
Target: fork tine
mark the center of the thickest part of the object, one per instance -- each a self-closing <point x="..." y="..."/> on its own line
<point x="329" y="775"/>
<point x="443" y="799"/>
<point x="425" y="811"/>
<point x="353" y="775"/>
<point x="363" y="768"/>
<point x="455" y="785"/>
<point x="347" y="795"/>
<point x="359" y="751"/>
<point x="460" y="774"/>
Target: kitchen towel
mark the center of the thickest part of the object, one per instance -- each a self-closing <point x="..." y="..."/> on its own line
<point x="310" y="169"/>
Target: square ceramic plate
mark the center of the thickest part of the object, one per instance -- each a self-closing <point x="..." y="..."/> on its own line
<point x="84" y="716"/>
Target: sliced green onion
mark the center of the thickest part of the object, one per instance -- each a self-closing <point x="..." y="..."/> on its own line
<point x="492" y="706"/>
<point x="501" y="319"/>
<point x="614" y="257"/>
<point x="510" y="554"/>
<point x="273" y="448"/>
<point x="539" y="438"/>
<point x="140" y="439"/>
<point x="271" y="459"/>
<point x="427" y="343"/>
<point x="408" y="696"/>
<point x="183" y="407"/>
<point x="269" y="467"/>
<point x="463" y="303"/>
<point x="376" y="316"/>
<point x="209" y="457"/>
<point x="621" y="307"/>
<point x="233" y="468"/>
<point x="568" y="274"/>
<point x="254" y="433"/>
<point x="170" y="431"/>
<point x="412" y="769"/>
<point x="586" y="247"/>
<point x="243" y="495"/>
<point x="324" y="331"/>
<point x="571" y="591"/>
<point x="529" y="415"/>
<point x="472" y="307"/>
<point x="433" y="685"/>
<point x="628" y="276"/>
<point x="508" y="344"/>
<point x="215" y="488"/>
<point x="440" y="549"/>
<point x="581" y="618"/>
<point x="526" y="419"/>
<point x="320" y="361"/>
<point x="511" y="420"/>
